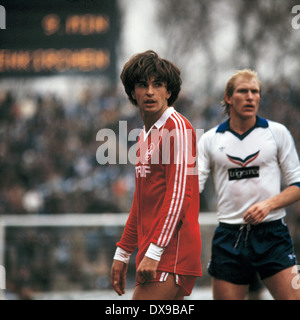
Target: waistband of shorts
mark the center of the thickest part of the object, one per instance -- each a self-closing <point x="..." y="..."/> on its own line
<point x="253" y="226"/>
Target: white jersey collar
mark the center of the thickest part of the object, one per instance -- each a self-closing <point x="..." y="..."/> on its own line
<point x="160" y="122"/>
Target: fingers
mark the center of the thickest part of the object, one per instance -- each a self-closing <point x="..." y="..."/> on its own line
<point x="145" y="275"/>
<point x="254" y="220"/>
<point x="251" y="218"/>
<point x="118" y="285"/>
<point x="255" y="215"/>
<point x="146" y="270"/>
<point x="118" y="279"/>
<point x="115" y="282"/>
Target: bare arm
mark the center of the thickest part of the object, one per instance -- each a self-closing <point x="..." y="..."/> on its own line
<point x="257" y="212"/>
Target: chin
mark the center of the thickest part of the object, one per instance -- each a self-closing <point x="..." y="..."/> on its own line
<point x="248" y="115"/>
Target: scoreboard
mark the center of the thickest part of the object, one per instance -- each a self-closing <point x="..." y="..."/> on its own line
<point x="45" y="37"/>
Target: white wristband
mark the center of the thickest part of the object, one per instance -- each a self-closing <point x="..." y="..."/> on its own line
<point x="122" y="255"/>
<point x="154" y="252"/>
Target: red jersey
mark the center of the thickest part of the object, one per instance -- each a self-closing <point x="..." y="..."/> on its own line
<point x="165" y="206"/>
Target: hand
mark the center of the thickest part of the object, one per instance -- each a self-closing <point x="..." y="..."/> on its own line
<point x="257" y="212"/>
<point x="118" y="276"/>
<point x="146" y="270"/>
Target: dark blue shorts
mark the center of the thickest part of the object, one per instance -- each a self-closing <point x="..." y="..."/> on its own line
<point x="239" y="252"/>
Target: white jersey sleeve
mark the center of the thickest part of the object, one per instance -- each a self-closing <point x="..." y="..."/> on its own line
<point x="288" y="159"/>
<point x="204" y="159"/>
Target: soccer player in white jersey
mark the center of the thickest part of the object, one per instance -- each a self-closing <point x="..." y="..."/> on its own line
<point x="163" y="221"/>
<point x="248" y="156"/>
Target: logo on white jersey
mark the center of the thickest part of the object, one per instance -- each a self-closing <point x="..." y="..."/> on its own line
<point x="244" y="172"/>
<point x="243" y="162"/>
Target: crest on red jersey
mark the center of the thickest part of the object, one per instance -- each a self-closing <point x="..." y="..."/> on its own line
<point x="149" y="151"/>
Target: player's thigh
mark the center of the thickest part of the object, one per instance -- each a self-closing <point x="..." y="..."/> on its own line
<point x="167" y="290"/>
<point x="224" y="290"/>
<point x="284" y="285"/>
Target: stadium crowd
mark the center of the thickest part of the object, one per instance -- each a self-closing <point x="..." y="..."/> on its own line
<point x="48" y="147"/>
<point x="48" y="159"/>
<point x="48" y="155"/>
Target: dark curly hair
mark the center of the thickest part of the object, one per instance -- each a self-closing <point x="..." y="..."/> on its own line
<point x="144" y="66"/>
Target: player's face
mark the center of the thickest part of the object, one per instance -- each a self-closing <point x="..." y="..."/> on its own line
<point x="152" y="97"/>
<point x="245" y="98"/>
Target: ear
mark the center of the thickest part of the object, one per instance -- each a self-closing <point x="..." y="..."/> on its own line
<point x="133" y="94"/>
<point x="227" y="99"/>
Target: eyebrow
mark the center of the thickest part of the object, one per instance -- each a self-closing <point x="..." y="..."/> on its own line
<point x="244" y="88"/>
<point x="154" y="80"/>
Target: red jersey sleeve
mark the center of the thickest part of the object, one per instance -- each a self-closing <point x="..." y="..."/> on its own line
<point x="129" y="239"/>
<point x="179" y="167"/>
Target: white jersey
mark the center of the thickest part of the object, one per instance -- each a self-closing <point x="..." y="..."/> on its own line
<point x="247" y="168"/>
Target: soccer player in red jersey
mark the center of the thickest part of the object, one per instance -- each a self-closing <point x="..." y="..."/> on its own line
<point x="163" y="221"/>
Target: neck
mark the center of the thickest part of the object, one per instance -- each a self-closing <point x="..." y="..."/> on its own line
<point x="149" y="119"/>
<point x="241" y="126"/>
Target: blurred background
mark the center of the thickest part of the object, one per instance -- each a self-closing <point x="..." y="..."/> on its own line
<point x="61" y="212"/>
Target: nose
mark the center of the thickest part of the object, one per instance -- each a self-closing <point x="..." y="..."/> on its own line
<point x="250" y="95"/>
<point x="150" y="90"/>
